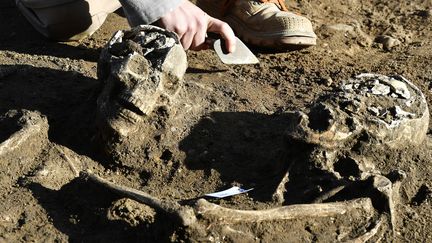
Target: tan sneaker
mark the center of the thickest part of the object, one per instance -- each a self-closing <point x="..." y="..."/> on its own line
<point x="265" y="23"/>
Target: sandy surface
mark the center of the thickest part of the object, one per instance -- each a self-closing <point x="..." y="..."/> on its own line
<point x="238" y="139"/>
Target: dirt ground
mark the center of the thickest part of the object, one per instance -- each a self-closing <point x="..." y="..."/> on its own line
<point x="238" y="140"/>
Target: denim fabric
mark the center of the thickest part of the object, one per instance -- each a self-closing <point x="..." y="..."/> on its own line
<point x="147" y="11"/>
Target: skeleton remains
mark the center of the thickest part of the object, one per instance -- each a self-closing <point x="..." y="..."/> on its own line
<point x="142" y="71"/>
<point x="330" y="144"/>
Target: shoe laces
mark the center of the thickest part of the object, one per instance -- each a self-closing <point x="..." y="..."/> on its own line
<point x="228" y="3"/>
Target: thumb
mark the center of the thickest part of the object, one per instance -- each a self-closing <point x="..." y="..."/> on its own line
<point x="222" y="28"/>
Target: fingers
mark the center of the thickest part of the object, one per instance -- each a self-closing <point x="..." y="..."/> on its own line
<point x="192" y="24"/>
<point x="186" y="40"/>
<point x="222" y="28"/>
<point x="198" y="42"/>
<point x="194" y="39"/>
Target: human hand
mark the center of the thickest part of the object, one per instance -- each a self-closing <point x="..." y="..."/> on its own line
<point x="192" y="24"/>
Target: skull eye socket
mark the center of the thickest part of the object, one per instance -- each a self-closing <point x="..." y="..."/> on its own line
<point x="139" y="66"/>
<point x="347" y="167"/>
<point x="320" y="118"/>
<point x="8" y="126"/>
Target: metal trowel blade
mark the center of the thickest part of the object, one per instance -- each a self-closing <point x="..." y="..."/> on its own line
<point x="241" y="55"/>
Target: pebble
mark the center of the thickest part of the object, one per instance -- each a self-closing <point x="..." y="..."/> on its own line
<point x="388" y="42"/>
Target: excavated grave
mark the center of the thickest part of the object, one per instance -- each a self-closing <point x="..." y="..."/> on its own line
<point x="144" y="93"/>
<point x="147" y="119"/>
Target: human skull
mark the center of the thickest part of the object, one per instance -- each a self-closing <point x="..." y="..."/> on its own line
<point x="142" y="72"/>
<point x="368" y="110"/>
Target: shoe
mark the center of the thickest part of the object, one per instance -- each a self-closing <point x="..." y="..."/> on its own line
<point x="67" y="20"/>
<point x="265" y="23"/>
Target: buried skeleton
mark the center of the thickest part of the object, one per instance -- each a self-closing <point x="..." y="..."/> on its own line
<point x="144" y="94"/>
<point x="367" y="113"/>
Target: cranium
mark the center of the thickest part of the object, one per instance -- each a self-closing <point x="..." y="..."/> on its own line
<point x="142" y="72"/>
<point x="369" y="110"/>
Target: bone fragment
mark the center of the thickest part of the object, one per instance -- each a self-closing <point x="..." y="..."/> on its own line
<point x="329" y="194"/>
<point x="385" y="187"/>
<point x="368" y="235"/>
<point x="391" y="193"/>
<point x="278" y="195"/>
<point x="211" y="210"/>
<point x="185" y="215"/>
<point x="69" y="161"/>
<point x="30" y="129"/>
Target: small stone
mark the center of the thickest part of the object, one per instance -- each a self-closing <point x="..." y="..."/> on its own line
<point x="388" y="42"/>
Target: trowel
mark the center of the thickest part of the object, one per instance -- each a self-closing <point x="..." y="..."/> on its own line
<point x="241" y="55"/>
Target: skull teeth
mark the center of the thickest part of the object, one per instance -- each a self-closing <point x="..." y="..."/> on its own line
<point x="132" y="104"/>
<point x="129" y="116"/>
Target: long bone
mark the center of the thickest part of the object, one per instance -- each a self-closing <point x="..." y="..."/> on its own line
<point x="184" y="214"/>
<point x="278" y="195"/>
<point x="211" y="210"/>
